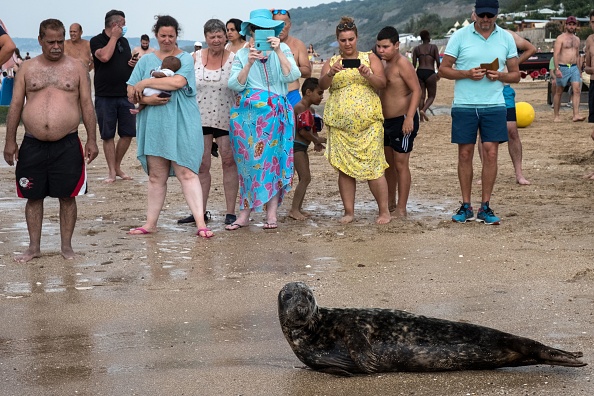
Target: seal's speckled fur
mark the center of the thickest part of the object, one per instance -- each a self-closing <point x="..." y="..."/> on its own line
<point x="357" y="341"/>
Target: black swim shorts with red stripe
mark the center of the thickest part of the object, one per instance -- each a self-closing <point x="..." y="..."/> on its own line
<point x="55" y="169"/>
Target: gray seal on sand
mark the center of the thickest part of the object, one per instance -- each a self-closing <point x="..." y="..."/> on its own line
<point x="348" y="341"/>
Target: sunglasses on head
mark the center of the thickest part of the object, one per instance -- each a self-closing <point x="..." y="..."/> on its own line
<point x="282" y="12"/>
<point x="348" y="25"/>
<point x="485" y="14"/>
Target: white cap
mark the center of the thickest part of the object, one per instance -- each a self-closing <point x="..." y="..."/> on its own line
<point x="197" y="44"/>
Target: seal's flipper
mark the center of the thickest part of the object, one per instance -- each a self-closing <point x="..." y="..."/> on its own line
<point x="558" y="357"/>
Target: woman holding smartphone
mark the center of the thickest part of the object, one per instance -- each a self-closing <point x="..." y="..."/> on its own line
<point x="262" y="121"/>
<point x="353" y="117"/>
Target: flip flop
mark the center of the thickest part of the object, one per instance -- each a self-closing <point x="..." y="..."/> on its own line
<point x="143" y="231"/>
<point x="270" y="226"/>
<point x="205" y="231"/>
<point x="234" y="226"/>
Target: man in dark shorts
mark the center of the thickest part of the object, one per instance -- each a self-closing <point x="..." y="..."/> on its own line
<point x="113" y="65"/>
<point x="478" y="101"/>
<point x="51" y="159"/>
<point x="400" y="100"/>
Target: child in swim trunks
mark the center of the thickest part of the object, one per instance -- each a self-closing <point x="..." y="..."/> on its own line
<point x="305" y="132"/>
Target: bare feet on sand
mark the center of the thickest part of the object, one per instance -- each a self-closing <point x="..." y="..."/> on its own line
<point x="556" y="119"/>
<point x="398" y="213"/>
<point x="119" y="174"/>
<point x="522" y="181"/>
<point x="589" y="176"/>
<point x="68" y="253"/>
<point x="347" y="219"/>
<point x="579" y="118"/>
<point x="27" y="256"/>
<point x="383" y="219"/>
<point x="123" y="176"/>
<point x="297" y="215"/>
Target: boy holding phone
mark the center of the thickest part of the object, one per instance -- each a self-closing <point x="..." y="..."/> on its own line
<point x="169" y="66"/>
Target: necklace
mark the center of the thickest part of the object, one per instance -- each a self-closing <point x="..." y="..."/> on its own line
<point x="204" y="77"/>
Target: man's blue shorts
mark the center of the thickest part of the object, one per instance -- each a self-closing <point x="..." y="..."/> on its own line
<point x="491" y="121"/>
<point x="294" y="97"/>
<point x="569" y="74"/>
<point x="112" y="112"/>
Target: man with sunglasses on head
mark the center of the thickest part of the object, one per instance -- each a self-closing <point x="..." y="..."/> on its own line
<point x="113" y="62"/>
<point x="568" y="66"/>
<point x="480" y="51"/>
<point x="299" y="54"/>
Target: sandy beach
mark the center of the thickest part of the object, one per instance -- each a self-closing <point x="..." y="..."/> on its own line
<point x="171" y="313"/>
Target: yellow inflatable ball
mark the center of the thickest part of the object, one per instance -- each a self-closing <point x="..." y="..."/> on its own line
<point x="524" y="114"/>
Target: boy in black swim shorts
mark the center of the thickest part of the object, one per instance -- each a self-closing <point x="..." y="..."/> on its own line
<point x="400" y="100"/>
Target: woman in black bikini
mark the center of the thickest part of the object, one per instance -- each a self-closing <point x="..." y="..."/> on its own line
<point x="427" y="56"/>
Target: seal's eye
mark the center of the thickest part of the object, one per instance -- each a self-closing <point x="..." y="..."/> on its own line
<point x="287" y="296"/>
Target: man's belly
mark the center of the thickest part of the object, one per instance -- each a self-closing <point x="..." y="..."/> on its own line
<point x="50" y="117"/>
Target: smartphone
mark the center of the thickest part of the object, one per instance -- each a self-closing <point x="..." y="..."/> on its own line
<point x="135" y="55"/>
<point x="164" y="94"/>
<point x="261" y="37"/>
<point x="351" y="63"/>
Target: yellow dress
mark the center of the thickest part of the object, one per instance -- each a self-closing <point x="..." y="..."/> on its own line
<point x="353" y="116"/>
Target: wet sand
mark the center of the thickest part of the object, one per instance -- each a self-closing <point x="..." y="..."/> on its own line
<point x="171" y="313"/>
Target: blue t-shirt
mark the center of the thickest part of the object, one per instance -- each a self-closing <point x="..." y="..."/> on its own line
<point x="471" y="49"/>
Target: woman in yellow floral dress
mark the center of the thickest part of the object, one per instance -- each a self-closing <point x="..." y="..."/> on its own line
<point x="353" y="116"/>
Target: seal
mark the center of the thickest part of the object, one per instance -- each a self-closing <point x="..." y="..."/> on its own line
<point x="348" y="341"/>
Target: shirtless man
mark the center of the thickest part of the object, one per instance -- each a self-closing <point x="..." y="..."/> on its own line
<point x="144" y="48"/>
<point x="50" y="161"/>
<point x="400" y="100"/>
<point x="567" y="58"/>
<point x="299" y="53"/>
<point x="79" y="48"/>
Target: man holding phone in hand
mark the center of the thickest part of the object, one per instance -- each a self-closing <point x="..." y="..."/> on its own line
<point x="478" y="101"/>
<point x="113" y="66"/>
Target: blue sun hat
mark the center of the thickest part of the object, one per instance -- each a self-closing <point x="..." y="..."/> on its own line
<point x="261" y="18"/>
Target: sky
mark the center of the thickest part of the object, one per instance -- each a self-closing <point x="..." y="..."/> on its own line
<point x="22" y="18"/>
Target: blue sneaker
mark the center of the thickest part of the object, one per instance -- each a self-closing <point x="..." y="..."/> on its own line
<point x="464" y="214"/>
<point x="486" y="215"/>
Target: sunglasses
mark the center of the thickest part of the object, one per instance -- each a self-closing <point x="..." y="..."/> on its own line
<point x="282" y="12"/>
<point x="485" y="14"/>
<point x="348" y="25"/>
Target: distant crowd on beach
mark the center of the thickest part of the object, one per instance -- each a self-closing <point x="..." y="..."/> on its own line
<point x="247" y="97"/>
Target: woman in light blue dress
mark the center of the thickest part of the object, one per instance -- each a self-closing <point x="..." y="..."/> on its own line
<point x="262" y="121"/>
<point x="169" y="132"/>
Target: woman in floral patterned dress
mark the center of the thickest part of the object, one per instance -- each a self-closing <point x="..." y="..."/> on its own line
<point x="262" y="121"/>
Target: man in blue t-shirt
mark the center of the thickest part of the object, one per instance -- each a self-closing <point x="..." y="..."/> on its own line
<point x="480" y="52"/>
